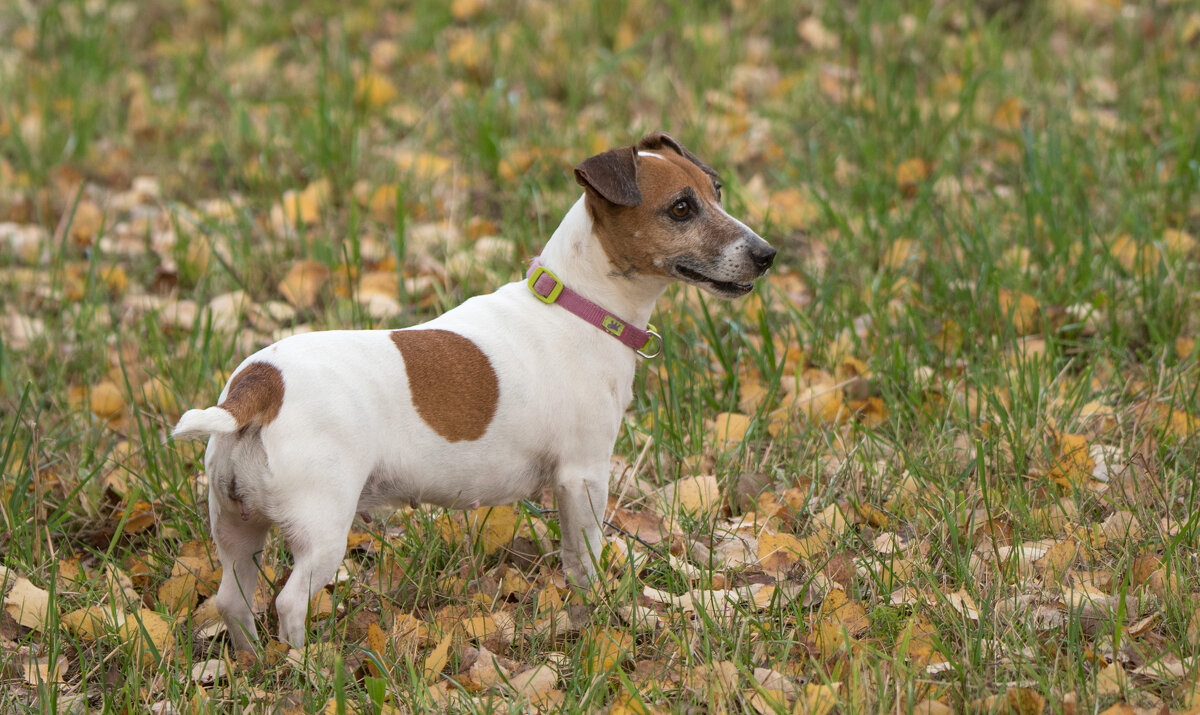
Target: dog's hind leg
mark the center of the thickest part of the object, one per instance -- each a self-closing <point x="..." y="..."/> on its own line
<point x="238" y="541"/>
<point x="316" y="529"/>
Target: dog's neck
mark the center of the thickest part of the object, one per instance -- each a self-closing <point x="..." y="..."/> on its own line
<point x="575" y="255"/>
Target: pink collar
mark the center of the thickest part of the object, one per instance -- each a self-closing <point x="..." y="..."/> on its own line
<point x="547" y="288"/>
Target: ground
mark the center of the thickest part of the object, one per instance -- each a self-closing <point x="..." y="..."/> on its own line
<point x="944" y="459"/>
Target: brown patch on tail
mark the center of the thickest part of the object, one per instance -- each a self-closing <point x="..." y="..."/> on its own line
<point x="453" y="385"/>
<point x="255" y="394"/>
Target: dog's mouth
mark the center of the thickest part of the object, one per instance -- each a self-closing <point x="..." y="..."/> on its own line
<point x="722" y="288"/>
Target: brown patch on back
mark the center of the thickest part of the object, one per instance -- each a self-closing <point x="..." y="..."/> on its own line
<point x="453" y="385"/>
<point x="255" y="394"/>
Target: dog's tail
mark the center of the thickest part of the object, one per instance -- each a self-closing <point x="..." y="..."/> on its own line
<point x="196" y="424"/>
<point x="253" y="397"/>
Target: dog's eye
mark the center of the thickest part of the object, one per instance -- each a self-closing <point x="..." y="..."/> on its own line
<point x="681" y="210"/>
<point x="718" y="185"/>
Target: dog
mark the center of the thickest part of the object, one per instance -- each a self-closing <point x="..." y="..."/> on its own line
<point x="509" y="393"/>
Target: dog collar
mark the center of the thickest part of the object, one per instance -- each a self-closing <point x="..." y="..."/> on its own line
<point x="547" y="288"/>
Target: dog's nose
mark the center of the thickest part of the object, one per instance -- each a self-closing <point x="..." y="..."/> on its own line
<point x="763" y="255"/>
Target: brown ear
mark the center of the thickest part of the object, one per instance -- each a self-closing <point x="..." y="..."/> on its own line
<point x="612" y="175"/>
<point x="658" y="140"/>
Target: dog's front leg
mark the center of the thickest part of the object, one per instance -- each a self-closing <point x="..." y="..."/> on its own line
<point x="581" y="504"/>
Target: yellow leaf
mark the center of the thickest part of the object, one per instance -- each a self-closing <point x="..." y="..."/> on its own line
<point x="1007" y="116"/>
<point x="466" y="9"/>
<point x="382" y="203"/>
<point x="911" y="171"/>
<point x="901" y="253"/>
<point x="137" y="518"/>
<point x="158" y="396"/>
<point x="916" y="642"/>
<point x="792" y="210"/>
<point x="690" y="495"/>
<point x="1111" y="680"/>
<point x="1178" y="243"/>
<point x="479" y="627"/>
<point x="90" y="622"/>
<point x="1025" y="701"/>
<point x="115" y="280"/>
<point x="377" y="642"/>
<point x="494" y="526"/>
<point x="818" y="699"/>
<point x="106" y="400"/>
<point x="778" y="553"/>
<point x="321" y="605"/>
<point x="844" y="612"/>
<point x="303" y="283"/>
<point x="605" y="648"/>
<point x="1022" y="309"/>
<point x="85" y="223"/>
<point x="149" y="637"/>
<point x="438" y="658"/>
<point x="375" y="90"/>
<point x="751" y="395"/>
<point x="178" y="593"/>
<point x="26" y="603"/>
<point x="466" y="50"/>
<point x="1057" y="559"/>
<point x="730" y="427"/>
<point x="422" y="166"/>
<point x="1074" y="464"/>
<point x="1131" y="255"/>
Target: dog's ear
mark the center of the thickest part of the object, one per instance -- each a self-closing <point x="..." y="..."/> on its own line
<point x="612" y="175"/>
<point x="658" y="140"/>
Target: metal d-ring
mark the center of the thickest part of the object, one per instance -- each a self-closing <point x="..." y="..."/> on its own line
<point x="657" y="344"/>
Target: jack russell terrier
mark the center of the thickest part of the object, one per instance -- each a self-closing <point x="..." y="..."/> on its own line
<point x="485" y="405"/>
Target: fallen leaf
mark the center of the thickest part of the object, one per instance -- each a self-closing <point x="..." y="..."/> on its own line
<point x="437" y="658"/>
<point x="106" y="400"/>
<point x="148" y="636"/>
<point x="696" y="496"/>
<point x="26" y="603"/>
<point x="494" y="526"/>
<point x="303" y="283"/>
<point x="730" y="428"/>
<point x="818" y="699"/>
<point x="605" y="647"/>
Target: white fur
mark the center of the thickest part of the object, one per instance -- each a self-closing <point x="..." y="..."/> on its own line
<point x="200" y="423"/>
<point x="347" y="437"/>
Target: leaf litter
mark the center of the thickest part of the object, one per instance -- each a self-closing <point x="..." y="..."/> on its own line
<point x="795" y="510"/>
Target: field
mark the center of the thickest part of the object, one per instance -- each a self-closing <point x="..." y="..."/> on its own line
<point x="944" y="459"/>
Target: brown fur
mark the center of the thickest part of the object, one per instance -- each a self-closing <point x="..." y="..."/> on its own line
<point x="255" y="395"/>
<point x="453" y="385"/>
<point x="637" y="238"/>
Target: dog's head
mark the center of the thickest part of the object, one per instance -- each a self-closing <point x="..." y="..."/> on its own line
<point x="657" y="210"/>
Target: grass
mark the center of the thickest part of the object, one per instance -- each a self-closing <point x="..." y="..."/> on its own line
<point x="987" y="223"/>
